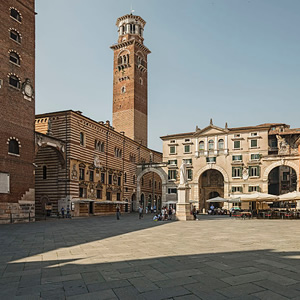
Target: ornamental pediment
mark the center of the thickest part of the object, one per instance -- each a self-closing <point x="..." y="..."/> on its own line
<point x="210" y="130"/>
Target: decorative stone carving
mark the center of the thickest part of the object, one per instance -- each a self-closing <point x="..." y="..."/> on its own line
<point x="97" y="162"/>
<point x="245" y="173"/>
<point x="74" y="173"/>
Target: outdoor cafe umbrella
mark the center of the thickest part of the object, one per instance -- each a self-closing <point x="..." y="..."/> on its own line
<point x="257" y="197"/>
<point x="289" y="196"/>
<point x="217" y="199"/>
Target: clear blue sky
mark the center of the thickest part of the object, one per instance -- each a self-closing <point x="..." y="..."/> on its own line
<point x="236" y="61"/>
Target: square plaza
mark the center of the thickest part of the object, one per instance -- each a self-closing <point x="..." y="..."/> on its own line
<point x="103" y="258"/>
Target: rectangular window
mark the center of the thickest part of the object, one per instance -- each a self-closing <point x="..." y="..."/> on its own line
<point x="81" y="174"/>
<point x="108" y="196"/>
<point x="172" y="174"/>
<point x="81" y="138"/>
<point x="273" y="143"/>
<point x="4" y="183"/>
<point x="187" y="149"/>
<point x="188" y="161"/>
<point x="237" y="145"/>
<point x="255" y="156"/>
<point x="235" y="189"/>
<point x="189" y="174"/>
<point x="119" y="180"/>
<point x="237" y="157"/>
<point x="237" y="135"/>
<point x="102" y="177"/>
<point x="253" y="143"/>
<point x="172" y="142"/>
<point x="118" y="196"/>
<point x="172" y="162"/>
<point x="172" y="191"/>
<point x="211" y="160"/>
<point x="109" y="179"/>
<point x="187" y="140"/>
<point x="91" y="175"/>
<point x="172" y="149"/>
<point x="253" y="133"/>
<point x="254" y="171"/>
<point x="237" y="172"/>
<point x="99" y="194"/>
<point x="253" y="188"/>
<point x="82" y="192"/>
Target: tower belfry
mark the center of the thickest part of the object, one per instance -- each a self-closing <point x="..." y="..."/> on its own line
<point x="130" y="79"/>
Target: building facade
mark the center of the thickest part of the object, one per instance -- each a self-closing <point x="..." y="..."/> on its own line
<point x="89" y="164"/>
<point x="130" y="79"/>
<point x="17" y="114"/>
<point x="230" y="161"/>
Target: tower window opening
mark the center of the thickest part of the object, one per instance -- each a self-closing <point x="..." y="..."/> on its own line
<point x="14" y="81"/>
<point x="123" y="89"/>
<point x="44" y="172"/>
<point x="15" y="36"/>
<point x="14" y="58"/>
<point x="13" y="147"/>
<point x="15" y="14"/>
<point x="141" y="81"/>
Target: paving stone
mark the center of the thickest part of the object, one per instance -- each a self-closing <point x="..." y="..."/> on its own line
<point x="126" y="293"/>
<point x="107" y="285"/>
<point x="269" y="295"/>
<point x="287" y="291"/>
<point x="164" y="293"/>
<point x="101" y="295"/>
<point x="240" y="290"/>
<point x="143" y="284"/>
<point x="75" y="287"/>
<point x="240" y="279"/>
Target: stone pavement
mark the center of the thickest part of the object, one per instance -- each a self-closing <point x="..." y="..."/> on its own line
<point x="102" y="258"/>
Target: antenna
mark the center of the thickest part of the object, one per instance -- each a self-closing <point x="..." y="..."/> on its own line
<point x="131" y="10"/>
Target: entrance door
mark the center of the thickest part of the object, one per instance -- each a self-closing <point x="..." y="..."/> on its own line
<point x="91" y="208"/>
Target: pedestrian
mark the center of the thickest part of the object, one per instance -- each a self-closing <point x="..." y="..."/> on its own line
<point x="151" y="209"/>
<point x="146" y="210"/>
<point x="140" y="212"/>
<point x="68" y="212"/>
<point x="62" y="212"/>
<point x="194" y="213"/>
<point x="154" y="208"/>
<point x="170" y="213"/>
<point x="118" y="212"/>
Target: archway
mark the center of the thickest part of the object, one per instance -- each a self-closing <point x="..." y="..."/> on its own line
<point x="133" y="198"/>
<point x="211" y="184"/>
<point x="282" y="180"/>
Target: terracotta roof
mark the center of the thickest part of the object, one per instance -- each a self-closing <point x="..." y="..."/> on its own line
<point x="177" y="135"/>
<point x="290" y="131"/>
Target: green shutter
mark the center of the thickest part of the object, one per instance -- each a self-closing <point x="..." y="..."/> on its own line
<point x="168" y="162"/>
<point x="241" y="168"/>
<point x="176" y="161"/>
<point x="258" y="170"/>
<point x="232" y="172"/>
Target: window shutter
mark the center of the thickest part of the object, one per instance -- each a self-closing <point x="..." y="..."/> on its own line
<point x="241" y="171"/>
<point x="258" y="171"/>
<point x="168" y="162"/>
<point x="241" y="189"/>
<point x="249" y="189"/>
<point x="232" y="172"/>
<point x="176" y="161"/>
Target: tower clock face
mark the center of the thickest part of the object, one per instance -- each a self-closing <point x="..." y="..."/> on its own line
<point x="28" y="90"/>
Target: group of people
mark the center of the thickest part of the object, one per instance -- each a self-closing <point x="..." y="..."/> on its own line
<point x="68" y="214"/>
<point x="166" y="214"/>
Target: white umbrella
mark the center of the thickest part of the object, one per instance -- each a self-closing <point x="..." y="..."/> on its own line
<point x="217" y="199"/>
<point x="290" y="196"/>
<point x="257" y="197"/>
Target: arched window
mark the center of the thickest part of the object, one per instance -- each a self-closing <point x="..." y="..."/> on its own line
<point x="125" y="177"/>
<point x="221" y="144"/>
<point x="14" y="81"/>
<point x="44" y="172"/>
<point x="102" y="147"/>
<point x="210" y="145"/>
<point x="15" y="14"/>
<point x="14" y="58"/>
<point x="201" y="146"/>
<point x="133" y="179"/>
<point x="15" y="36"/>
<point x="123" y="89"/>
<point x="13" y="146"/>
<point x="141" y="81"/>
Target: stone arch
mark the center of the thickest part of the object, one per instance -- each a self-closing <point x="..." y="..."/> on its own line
<point x="159" y="171"/>
<point x="209" y="167"/>
<point x="123" y="51"/>
<point x="278" y="164"/>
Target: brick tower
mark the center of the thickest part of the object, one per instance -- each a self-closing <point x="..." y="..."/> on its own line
<point x="17" y="110"/>
<point x="130" y="79"/>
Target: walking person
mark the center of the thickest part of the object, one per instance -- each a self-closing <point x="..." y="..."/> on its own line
<point x="118" y="212"/>
<point x="195" y="213"/>
<point x="140" y="212"/>
<point x="170" y="213"/>
<point x="62" y="212"/>
<point x="68" y="216"/>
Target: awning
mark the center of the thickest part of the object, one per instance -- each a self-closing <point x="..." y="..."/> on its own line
<point x="289" y="196"/>
<point x="257" y="197"/>
<point x="217" y="199"/>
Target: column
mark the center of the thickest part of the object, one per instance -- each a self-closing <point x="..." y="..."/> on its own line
<point x="205" y="146"/>
<point x="196" y="147"/>
<point x="216" y="145"/>
<point x="226" y="145"/>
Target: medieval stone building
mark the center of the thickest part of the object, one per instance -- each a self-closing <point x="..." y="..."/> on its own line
<point x="17" y="113"/>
